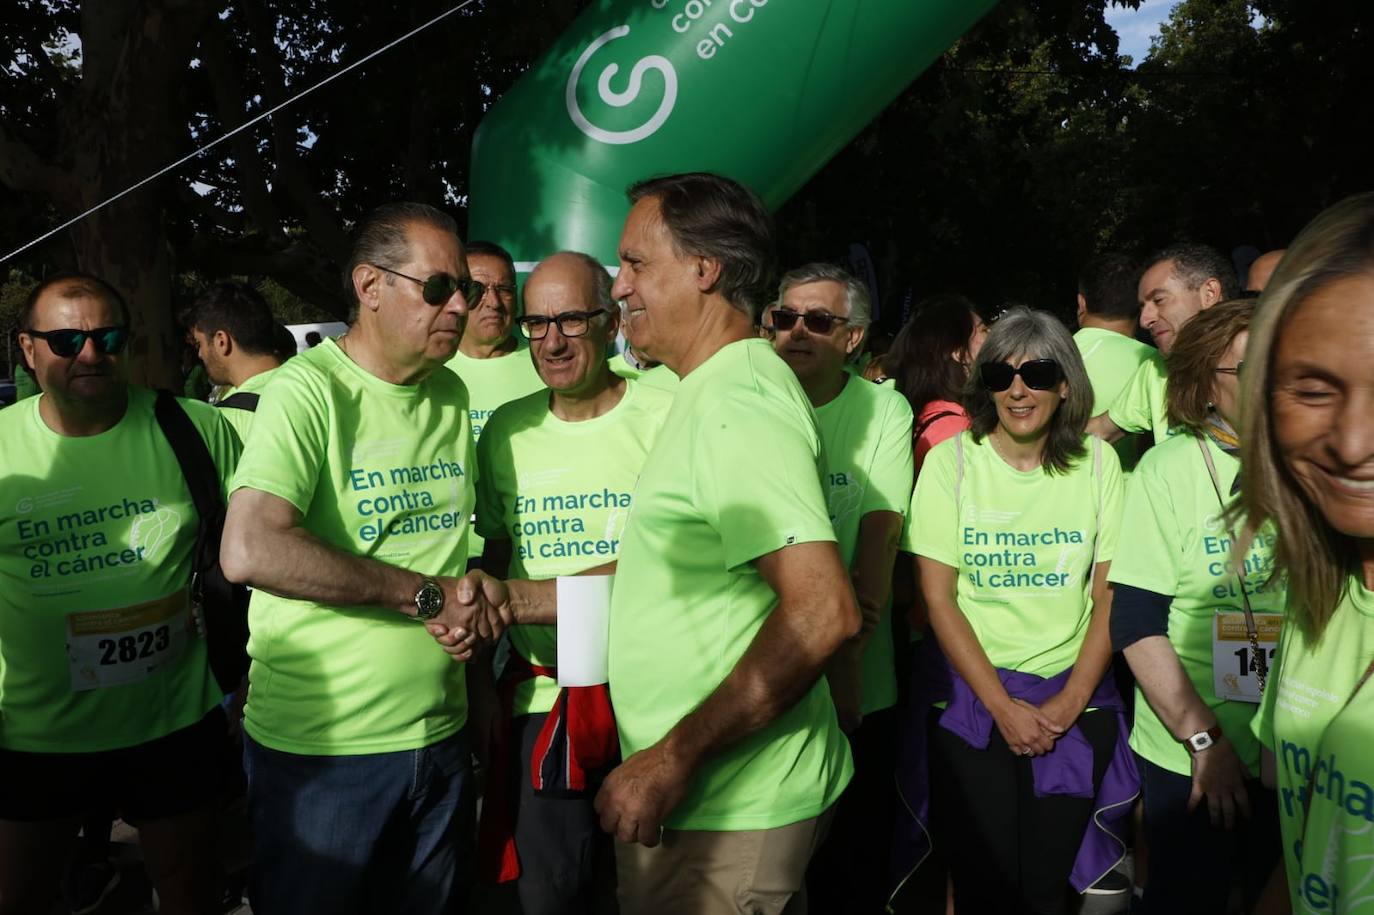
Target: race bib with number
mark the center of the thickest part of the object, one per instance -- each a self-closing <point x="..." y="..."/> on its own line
<point x="1232" y="677"/>
<point x="127" y="644"/>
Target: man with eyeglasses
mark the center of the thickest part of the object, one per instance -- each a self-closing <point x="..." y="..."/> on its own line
<point x="106" y="698"/>
<point x="730" y="595"/>
<point x="492" y="359"/>
<point x="557" y="470"/>
<point x="818" y="325"/>
<point x="349" y="518"/>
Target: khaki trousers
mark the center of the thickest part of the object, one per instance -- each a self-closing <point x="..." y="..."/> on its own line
<point x="695" y="872"/>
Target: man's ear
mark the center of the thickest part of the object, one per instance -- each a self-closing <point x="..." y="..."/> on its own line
<point x="708" y="273"/>
<point x="1082" y="309"/>
<point x="1210" y="292"/>
<point x="856" y="339"/>
<point x="222" y="342"/>
<point x="26" y="347"/>
<point x="367" y="283"/>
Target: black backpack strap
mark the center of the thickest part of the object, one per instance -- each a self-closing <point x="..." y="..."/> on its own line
<point x="929" y="421"/>
<point x="197" y="466"/>
<point x="243" y="400"/>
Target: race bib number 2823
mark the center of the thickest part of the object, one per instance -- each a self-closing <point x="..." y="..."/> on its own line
<point x="127" y="644"/>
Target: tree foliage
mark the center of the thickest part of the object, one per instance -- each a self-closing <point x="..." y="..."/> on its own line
<point x="1029" y="146"/>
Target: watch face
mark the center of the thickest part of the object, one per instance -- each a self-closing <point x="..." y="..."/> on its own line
<point x="429" y="600"/>
<point x="1201" y="741"/>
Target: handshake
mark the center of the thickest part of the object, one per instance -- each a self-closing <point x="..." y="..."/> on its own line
<point x="477" y="609"/>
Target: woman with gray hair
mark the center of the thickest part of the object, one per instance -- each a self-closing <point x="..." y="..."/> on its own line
<point x="1307" y="458"/>
<point x="1014" y="524"/>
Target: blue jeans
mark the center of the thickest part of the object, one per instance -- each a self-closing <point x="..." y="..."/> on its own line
<point x="382" y="832"/>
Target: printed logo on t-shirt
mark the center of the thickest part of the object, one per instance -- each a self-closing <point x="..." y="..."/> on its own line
<point x="845" y="496"/>
<point x="399" y="500"/>
<point x="1019" y="560"/>
<point x="61" y="539"/>
<point x="554" y="526"/>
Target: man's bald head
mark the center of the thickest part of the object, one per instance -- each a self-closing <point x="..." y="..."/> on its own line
<point x="576" y="270"/>
<point x="1262" y="269"/>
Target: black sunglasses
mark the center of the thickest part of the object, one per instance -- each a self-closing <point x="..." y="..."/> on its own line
<point x="817" y="322"/>
<point x="440" y="287"/>
<point x="1038" y="374"/>
<point x="68" y="341"/>
<point x="570" y="323"/>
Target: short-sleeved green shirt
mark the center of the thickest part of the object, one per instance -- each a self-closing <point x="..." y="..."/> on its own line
<point x="1142" y="406"/>
<point x="240" y="419"/>
<point x="1023" y="543"/>
<point x="1327" y="849"/>
<point x="376" y="470"/>
<point x="1111" y="360"/>
<point x="866" y="432"/>
<point x="98" y="649"/>
<point x="660" y="376"/>
<point x="1176" y="544"/>
<point x="735" y="474"/>
<point x="560" y="492"/>
<point x="491" y="383"/>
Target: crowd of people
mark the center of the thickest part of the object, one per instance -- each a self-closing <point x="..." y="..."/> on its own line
<point x="948" y="627"/>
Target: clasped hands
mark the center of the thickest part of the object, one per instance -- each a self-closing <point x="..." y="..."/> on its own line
<point x="476" y="611"/>
<point x="1031" y="730"/>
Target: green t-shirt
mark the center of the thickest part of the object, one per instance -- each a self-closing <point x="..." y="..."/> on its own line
<point x="1179" y="547"/>
<point x="377" y="470"/>
<point x="734" y="475"/>
<point x="1111" y="359"/>
<point x="242" y="420"/>
<point x="97" y="645"/>
<point x="1142" y="406"/>
<point x="24" y="385"/>
<point x="560" y="492"/>
<point x="660" y="376"/>
<point x="866" y="432"/>
<point x="1024" y="543"/>
<point x="1327" y="858"/>
<point x="490" y="383"/>
<point x="1338" y="841"/>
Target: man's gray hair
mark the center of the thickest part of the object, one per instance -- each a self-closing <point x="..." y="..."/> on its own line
<point x="381" y="238"/>
<point x="856" y="300"/>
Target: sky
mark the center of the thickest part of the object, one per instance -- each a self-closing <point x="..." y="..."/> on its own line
<point x="1136" y="27"/>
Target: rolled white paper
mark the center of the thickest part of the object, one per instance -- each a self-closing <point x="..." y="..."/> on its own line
<point x="584" y="628"/>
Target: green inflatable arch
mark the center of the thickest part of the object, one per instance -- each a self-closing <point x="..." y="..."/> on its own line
<point x="764" y="91"/>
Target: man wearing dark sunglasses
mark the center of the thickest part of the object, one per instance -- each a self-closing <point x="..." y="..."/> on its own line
<point x="818" y="325"/>
<point x="106" y="697"/>
<point x="349" y="518"/>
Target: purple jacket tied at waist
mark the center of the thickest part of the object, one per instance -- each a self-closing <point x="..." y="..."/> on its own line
<point x="1065" y="770"/>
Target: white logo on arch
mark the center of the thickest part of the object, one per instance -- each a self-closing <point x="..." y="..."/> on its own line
<point x="621" y="99"/>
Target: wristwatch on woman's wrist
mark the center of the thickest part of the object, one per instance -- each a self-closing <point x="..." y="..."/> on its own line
<point x="1202" y="740"/>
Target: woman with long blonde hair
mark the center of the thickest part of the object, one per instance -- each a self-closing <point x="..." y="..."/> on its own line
<point x="1308" y="468"/>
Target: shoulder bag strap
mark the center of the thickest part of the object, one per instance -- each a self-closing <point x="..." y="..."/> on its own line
<point x="1258" y="662"/>
<point x="243" y="400"/>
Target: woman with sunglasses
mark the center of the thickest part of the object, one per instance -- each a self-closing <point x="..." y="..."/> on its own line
<point x="1014" y="525"/>
<point x="1308" y="469"/>
<point x="1182" y="613"/>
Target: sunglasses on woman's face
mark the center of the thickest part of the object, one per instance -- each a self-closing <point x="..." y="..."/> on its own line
<point x="69" y="341"/>
<point x="1038" y="374"/>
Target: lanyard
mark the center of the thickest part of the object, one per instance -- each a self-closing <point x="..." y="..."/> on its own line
<point x="1258" y="662"/>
